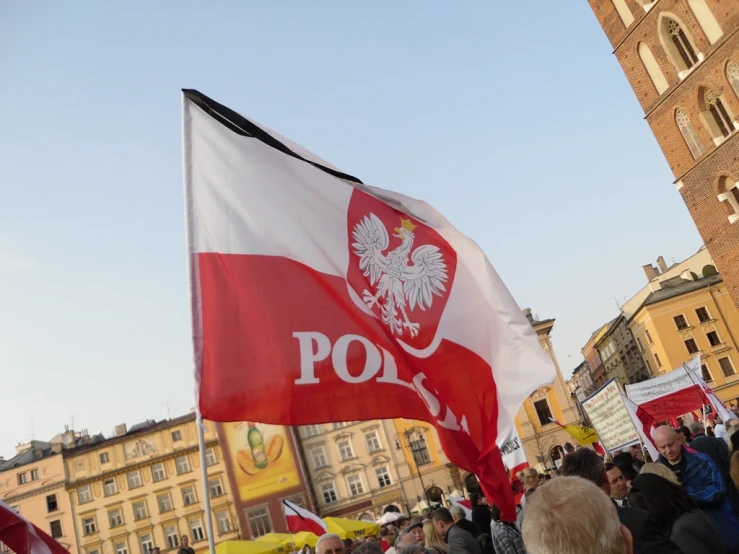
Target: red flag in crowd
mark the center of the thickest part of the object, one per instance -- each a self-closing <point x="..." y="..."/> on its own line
<point x="23" y="537"/>
<point x="299" y="519"/>
<point x="316" y="298"/>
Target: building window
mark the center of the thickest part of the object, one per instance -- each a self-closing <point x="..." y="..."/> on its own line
<point x="680" y="49"/>
<point x="383" y="477"/>
<point x="223" y="519"/>
<point x="196" y="530"/>
<point x="649" y="336"/>
<point x="183" y="466"/>
<point x="703" y="314"/>
<point x="355" y="485"/>
<point x="420" y="452"/>
<point x="627" y="18"/>
<point x="188" y="496"/>
<point x="691" y="346"/>
<point x="51" y="503"/>
<point x="690" y="135"/>
<point x="641" y="348"/>
<point x="718" y="118"/>
<point x="34" y="475"/>
<point x="706" y="20"/>
<point x="653" y="69"/>
<point x="340" y="424"/>
<point x="373" y="441"/>
<point x="173" y="541"/>
<point x="705" y="373"/>
<point x="158" y="472"/>
<point x="165" y="502"/>
<point x="134" y="479"/>
<point x="346" y="452"/>
<point x="83" y="494"/>
<point x="88" y="526"/>
<point x="318" y="455"/>
<point x="726" y="367"/>
<point x="730" y="195"/>
<point x="146" y="543"/>
<point x="297" y="499"/>
<point x="139" y="510"/>
<point x="109" y="487"/>
<point x="56" y="529"/>
<point x="216" y="487"/>
<point x="656" y="359"/>
<point x="259" y="522"/>
<point x="121" y="548"/>
<point x="104" y="458"/>
<point x="93" y="551"/>
<point x="22" y="478"/>
<point x="210" y="457"/>
<point x="649" y="367"/>
<point x="115" y="517"/>
<point x="311" y="431"/>
<point x="732" y="75"/>
<point x="713" y="338"/>
<point x="176" y="436"/>
<point x="329" y="493"/>
<point x="543" y="412"/>
<point x="680" y="322"/>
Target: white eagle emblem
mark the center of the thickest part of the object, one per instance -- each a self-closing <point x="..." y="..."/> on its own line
<point x="399" y="285"/>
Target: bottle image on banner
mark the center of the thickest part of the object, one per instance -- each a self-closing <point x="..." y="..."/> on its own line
<point x="256" y="443"/>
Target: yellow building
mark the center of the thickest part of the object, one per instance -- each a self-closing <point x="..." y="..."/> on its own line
<point x="687" y="315"/>
<point x="32" y="483"/>
<point x="542" y="439"/>
<point x="143" y="488"/>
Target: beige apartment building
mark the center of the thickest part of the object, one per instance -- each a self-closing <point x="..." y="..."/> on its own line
<point x="143" y="488"/>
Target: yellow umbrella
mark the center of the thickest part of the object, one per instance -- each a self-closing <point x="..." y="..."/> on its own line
<point x="250" y="547"/>
<point x="351" y="528"/>
<point x="299" y="540"/>
<point x="282" y="538"/>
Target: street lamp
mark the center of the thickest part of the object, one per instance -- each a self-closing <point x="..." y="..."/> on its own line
<point x="415" y="450"/>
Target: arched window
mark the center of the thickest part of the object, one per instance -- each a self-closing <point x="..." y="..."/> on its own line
<point x="717" y="117"/>
<point x="709" y="270"/>
<point x="653" y="69"/>
<point x="729" y="193"/>
<point x="689" y="133"/>
<point x="706" y="20"/>
<point x="682" y="53"/>
<point x="624" y="12"/>
<point x="732" y="74"/>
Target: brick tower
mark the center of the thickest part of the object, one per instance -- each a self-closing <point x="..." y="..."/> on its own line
<point x="682" y="60"/>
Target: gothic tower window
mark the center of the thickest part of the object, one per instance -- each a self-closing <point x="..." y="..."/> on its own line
<point x="689" y="133"/>
<point x="717" y="117"/>
<point x="680" y="49"/>
<point x="729" y="193"/>
<point x="732" y="74"/>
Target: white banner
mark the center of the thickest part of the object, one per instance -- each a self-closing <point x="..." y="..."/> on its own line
<point x="667" y="383"/>
<point x="512" y="450"/>
<point x="611" y="420"/>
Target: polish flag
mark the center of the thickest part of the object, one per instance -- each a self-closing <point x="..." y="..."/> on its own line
<point x="463" y="503"/>
<point x="514" y="458"/>
<point x="23" y="537"/>
<point x="299" y="520"/>
<point x="316" y="298"/>
<point x="644" y="424"/>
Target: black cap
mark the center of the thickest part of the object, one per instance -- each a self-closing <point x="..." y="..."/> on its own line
<point x="412" y="526"/>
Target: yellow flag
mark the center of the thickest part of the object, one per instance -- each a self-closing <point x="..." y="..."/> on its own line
<point x="582" y="434"/>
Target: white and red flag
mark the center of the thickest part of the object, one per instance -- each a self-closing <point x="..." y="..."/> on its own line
<point x="300" y="519"/>
<point x="316" y="298"/>
<point x="23" y="537"/>
<point x="514" y="459"/>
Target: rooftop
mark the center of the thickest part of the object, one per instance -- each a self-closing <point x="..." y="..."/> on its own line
<point x="677" y="289"/>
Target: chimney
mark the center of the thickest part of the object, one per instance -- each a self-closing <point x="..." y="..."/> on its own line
<point x="661" y="264"/>
<point x="120" y="430"/>
<point x="650" y="271"/>
<point x="527" y="313"/>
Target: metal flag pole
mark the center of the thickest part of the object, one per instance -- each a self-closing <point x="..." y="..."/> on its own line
<point x="703" y="400"/>
<point x="206" y="489"/>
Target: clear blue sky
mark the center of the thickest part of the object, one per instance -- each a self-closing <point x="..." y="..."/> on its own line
<point x="512" y="118"/>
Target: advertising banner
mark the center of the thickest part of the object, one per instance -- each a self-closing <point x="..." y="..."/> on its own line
<point x="611" y="420"/>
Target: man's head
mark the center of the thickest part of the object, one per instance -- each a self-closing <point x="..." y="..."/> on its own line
<point x="384" y="532"/>
<point x="402" y="523"/>
<point x="415" y="530"/>
<point x="443" y="520"/>
<point x="412" y="549"/>
<point x="637" y="453"/>
<point x="617" y="482"/>
<point x="684" y="435"/>
<point x="155" y="550"/>
<point x="569" y="449"/>
<point x="329" y="544"/>
<point x="696" y="427"/>
<point x="368" y="548"/>
<point x="184" y="540"/>
<point x="530" y="478"/>
<point x="668" y="443"/>
<point x="474" y="499"/>
<point x="458" y="513"/>
<point x="569" y="514"/>
<point x="371" y="539"/>
<point x="587" y="464"/>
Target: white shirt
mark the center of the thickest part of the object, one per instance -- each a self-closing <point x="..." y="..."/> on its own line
<point x="620" y="502"/>
<point x="720" y="431"/>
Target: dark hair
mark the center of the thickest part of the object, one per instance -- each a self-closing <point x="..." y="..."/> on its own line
<point x="474" y="499"/>
<point x="637" y="500"/>
<point x="384" y="532"/>
<point x="685" y="431"/>
<point x="443" y="515"/>
<point x="609" y="466"/>
<point x="735" y="441"/>
<point x="625" y="462"/>
<point x="495" y="512"/>
<point x="665" y="501"/>
<point x="584" y="463"/>
<point x="368" y="548"/>
<point x="569" y="447"/>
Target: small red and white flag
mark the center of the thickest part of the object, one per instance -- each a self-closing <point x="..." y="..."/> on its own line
<point x="299" y="519"/>
<point x="317" y="298"/>
<point x="463" y="503"/>
<point x="23" y="537"/>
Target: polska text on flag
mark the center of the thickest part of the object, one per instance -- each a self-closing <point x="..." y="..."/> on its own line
<point x="316" y="298"/>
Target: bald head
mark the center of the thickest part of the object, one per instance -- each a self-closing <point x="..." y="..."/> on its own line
<point x="668" y="443"/>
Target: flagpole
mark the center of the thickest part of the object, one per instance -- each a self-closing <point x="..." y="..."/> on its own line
<point x="206" y="489"/>
<point x="703" y="400"/>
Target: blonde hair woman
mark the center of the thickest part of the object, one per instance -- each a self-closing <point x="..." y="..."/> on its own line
<point x="434" y="540"/>
<point x="530" y="482"/>
<point x="661" y="470"/>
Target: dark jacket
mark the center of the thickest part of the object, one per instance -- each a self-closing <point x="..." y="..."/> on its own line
<point x="468" y="526"/>
<point x="695" y="533"/>
<point x="714" y="448"/>
<point x="482" y="516"/>
<point x="648" y="539"/>
<point x="460" y="541"/>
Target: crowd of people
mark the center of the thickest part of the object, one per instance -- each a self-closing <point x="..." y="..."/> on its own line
<point x="684" y="502"/>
